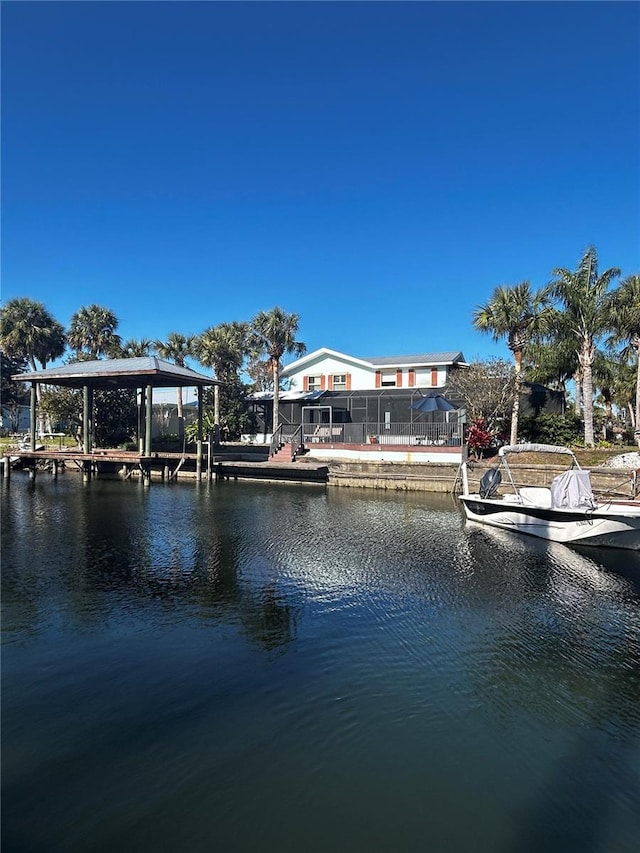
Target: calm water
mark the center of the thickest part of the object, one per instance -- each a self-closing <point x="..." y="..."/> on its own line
<point x="251" y="667"/>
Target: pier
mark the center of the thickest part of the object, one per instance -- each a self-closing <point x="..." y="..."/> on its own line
<point x="167" y="466"/>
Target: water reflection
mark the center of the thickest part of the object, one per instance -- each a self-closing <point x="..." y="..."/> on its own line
<point x="186" y="667"/>
<point x="108" y="549"/>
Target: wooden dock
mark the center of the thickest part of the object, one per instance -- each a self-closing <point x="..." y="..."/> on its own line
<point x="161" y="466"/>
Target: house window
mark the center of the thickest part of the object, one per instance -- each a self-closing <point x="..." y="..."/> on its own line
<point x="339" y="382"/>
<point x="314" y="383"/>
<point x="388" y="379"/>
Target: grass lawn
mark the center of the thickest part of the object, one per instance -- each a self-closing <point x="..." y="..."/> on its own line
<point x="591" y="458"/>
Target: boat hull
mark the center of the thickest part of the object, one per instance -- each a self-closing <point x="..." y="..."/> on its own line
<point x="609" y="525"/>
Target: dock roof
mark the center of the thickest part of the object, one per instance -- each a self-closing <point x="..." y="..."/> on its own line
<point x="119" y="373"/>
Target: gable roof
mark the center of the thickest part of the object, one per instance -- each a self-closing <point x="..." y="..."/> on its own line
<point x="432" y="359"/>
<point x="119" y="373"/>
<point x="320" y="353"/>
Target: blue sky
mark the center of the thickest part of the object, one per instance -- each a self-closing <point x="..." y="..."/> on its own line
<point x="377" y="168"/>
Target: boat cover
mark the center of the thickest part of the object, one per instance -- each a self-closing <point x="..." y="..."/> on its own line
<point x="572" y="490"/>
<point x="534" y="448"/>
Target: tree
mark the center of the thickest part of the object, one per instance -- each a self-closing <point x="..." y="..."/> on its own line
<point x="235" y="417"/>
<point x="583" y="295"/>
<point x="486" y="389"/>
<point x="93" y="330"/>
<point x="13" y="394"/>
<point x="515" y="313"/>
<point x="552" y="360"/>
<point x="626" y="391"/>
<point x="28" y="331"/>
<point x="624" y="318"/>
<point x="177" y="348"/>
<point x="223" y="348"/>
<point x="135" y="348"/>
<point x="261" y="376"/>
<point x="63" y="407"/>
<point x="273" y="334"/>
<point x="606" y="375"/>
<point x="115" y="416"/>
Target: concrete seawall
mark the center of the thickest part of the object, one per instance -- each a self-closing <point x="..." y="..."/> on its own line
<point x="606" y="482"/>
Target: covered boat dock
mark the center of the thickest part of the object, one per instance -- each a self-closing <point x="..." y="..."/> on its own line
<point x="141" y="375"/>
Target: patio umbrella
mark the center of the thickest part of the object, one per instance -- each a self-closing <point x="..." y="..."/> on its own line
<point x="433" y="403"/>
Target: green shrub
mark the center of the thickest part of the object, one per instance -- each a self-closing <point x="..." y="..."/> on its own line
<point x="551" y="428"/>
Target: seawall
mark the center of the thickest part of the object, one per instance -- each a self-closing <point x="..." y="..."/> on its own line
<point x="434" y="477"/>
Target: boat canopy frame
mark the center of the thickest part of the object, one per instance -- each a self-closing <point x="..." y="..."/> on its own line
<point x="507" y="449"/>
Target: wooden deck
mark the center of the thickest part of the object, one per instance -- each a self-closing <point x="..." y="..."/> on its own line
<point x="162" y="466"/>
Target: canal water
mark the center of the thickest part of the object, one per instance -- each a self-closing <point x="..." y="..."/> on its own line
<point x="265" y="667"/>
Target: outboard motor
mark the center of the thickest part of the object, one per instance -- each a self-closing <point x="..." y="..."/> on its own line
<point x="490" y="482"/>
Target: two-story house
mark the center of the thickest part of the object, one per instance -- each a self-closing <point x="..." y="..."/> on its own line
<point x="339" y="397"/>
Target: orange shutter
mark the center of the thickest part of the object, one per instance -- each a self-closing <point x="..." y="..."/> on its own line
<point x="330" y="387"/>
<point x="434" y="377"/>
<point x="322" y="385"/>
<point x="305" y="383"/>
<point x="378" y="378"/>
<point x="412" y="377"/>
<point x="348" y="382"/>
<point x="398" y="379"/>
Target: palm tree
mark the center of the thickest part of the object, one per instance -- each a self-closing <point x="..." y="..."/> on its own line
<point x="626" y="390"/>
<point x="605" y="380"/>
<point x="222" y="348"/>
<point x="177" y="348"/>
<point x="583" y="295"/>
<point x="551" y="362"/>
<point x="136" y="348"/>
<point x="29" y="331"/>
<point x="273" y="334"/>
<point x="624" y="317"/>
<point x="515" y="313"/>
<point x="93" y="330"/>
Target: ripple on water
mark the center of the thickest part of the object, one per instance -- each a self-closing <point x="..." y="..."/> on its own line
<point x="232" y="661"/>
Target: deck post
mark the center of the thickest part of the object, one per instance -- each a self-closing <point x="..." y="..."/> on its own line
<point x="199" y="460"/>
<point x="199" y="394"/>
<point x="33" y="415"/>
<point x="6" y="470"/>
<point x="87" y="405"/>
<point x="148" y="413"/>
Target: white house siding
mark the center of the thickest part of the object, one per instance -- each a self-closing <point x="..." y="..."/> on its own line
<point x="412" y="373"/>
<point x="361" y="378"/>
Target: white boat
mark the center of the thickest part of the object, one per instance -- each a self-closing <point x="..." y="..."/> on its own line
<point x="567" y="512"/>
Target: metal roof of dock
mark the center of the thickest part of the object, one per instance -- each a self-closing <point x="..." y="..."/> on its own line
<point x="119" y="373"/>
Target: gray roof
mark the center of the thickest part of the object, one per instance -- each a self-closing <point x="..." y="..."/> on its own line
<point x="429" y="358"/>
<point x="119" y="373"/>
